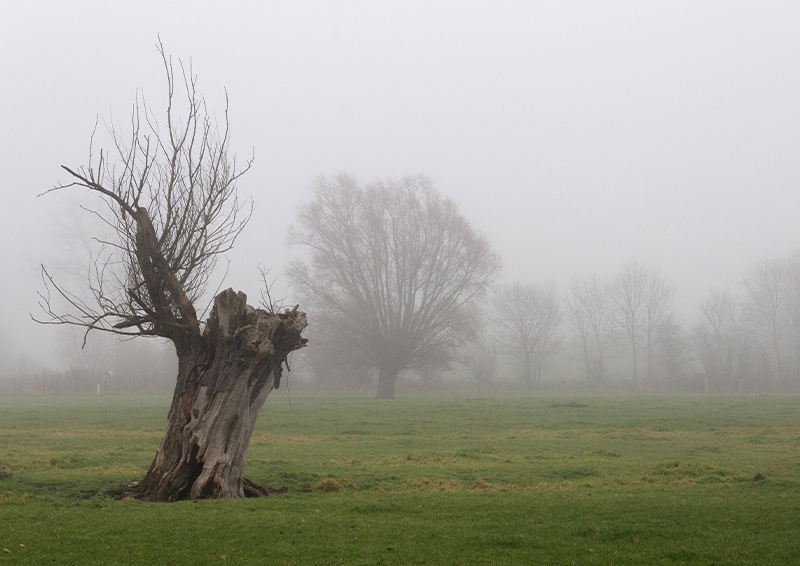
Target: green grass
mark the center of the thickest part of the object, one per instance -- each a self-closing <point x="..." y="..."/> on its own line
<point x="428" y="480"/>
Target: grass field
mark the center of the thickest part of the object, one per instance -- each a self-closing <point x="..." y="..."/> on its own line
<point x="424" y="480"/>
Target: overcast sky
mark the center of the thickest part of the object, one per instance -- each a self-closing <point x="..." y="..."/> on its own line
<point x="576" y="136"/>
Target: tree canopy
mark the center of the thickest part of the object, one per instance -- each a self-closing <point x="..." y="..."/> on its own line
<point x="394" y="268"/>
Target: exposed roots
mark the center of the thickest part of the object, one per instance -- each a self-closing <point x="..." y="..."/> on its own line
<point x="135" y="490"/>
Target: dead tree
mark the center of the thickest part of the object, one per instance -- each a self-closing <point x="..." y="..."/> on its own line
<point x="169" y="199"/>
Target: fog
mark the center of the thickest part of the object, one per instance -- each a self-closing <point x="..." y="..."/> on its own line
<point x="575" y="136"/>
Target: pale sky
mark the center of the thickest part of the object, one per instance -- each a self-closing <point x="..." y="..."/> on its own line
<point x="574" y="135"/>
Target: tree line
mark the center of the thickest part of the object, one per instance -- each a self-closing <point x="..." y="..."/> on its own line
<point x="394" y="283"/>
<point x="397" y="281"/>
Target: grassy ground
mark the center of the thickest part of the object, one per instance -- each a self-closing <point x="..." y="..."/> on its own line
<point x="540" y="480"/>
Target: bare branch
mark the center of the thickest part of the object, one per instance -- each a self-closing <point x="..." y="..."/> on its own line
<point x="172" y="206"/>
<point x="270" y="305"/>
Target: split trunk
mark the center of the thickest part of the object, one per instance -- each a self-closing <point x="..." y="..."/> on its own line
<point x="224" y="377"/>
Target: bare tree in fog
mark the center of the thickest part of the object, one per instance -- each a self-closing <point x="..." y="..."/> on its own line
<point x="169" y="198"/>
<point x="791" y="301"/>
<point x="628" y="297"/>
<point x="717" y="338"/>
<point x="659" y="300"/>
<point x="674" y="351"/>
<point x="588" y="313"/>
<point x="527" y="317"/>
<point x="481" y="360"/>
<point x="764" y="305"/>
<point x="395" y="269"/>
<point x="640" y="301"/>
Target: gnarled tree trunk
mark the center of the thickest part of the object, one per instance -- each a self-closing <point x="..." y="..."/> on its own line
<point x="224" y="378"/>
<point x="172" y="208"/>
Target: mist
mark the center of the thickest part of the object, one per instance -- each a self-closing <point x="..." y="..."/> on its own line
<point x="576" y="137"/>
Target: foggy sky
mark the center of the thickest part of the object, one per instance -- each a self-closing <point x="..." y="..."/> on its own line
<point x="576" y="136"/>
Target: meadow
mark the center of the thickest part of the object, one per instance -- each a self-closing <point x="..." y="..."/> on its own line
<point x="418" y="480"/>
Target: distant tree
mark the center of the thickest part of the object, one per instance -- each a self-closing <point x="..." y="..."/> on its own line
<point x="587" y="307"/>
<point x="764" y="305"/>
<point x="674" y="351"/>
<point x="395" y="269"/>
<point x="640" y="300"/>
<point x="527" y="317"/>
<point x="791" y="301"/>
<point x="628" y="297"/>
<point x="657" y="311"/>
<point x="481" y="360"/>
<point x="717" y="338"/>
<point x="168" y="196"/>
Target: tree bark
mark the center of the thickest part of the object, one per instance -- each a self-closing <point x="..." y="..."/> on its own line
<point x="386" y="379"/>
<point x="224" y="378"/>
